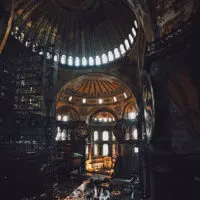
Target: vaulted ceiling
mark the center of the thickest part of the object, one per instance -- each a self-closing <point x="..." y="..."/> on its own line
<point x="77" y="33"/>
<point x="93" y="87"/>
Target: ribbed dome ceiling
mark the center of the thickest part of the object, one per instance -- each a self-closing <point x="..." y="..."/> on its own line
<point x="76" y="32"/>
<point x="92" y="88"/>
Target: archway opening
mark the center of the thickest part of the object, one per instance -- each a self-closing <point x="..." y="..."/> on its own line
<point x="99" y="101"/>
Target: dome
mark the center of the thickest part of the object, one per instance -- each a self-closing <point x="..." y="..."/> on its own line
<point x="76" y="33"/>
<point x="94" y="89"/>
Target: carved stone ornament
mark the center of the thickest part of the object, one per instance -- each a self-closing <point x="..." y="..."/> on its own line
<point x="82" y="130"/>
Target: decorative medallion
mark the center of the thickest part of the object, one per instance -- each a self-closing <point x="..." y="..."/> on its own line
<point x="82" y="130"/>
<point x="119" y="130"/>
<point x="149" y="107"/>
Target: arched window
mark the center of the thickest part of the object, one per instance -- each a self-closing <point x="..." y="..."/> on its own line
<point x="116" y="53"/>
<point x="63" y="135"/>
<point x="77" y="61"/>
<point x="63" y="59"/>
<point x="134" y="32"/>
<point x="48" y="55"/>
<point x="104" y="59"/>
<point x="131" y="38"/>
<point x="59" y="117"/>
<point x="126" y="42"/>
<point x="91" y="61"/>
<point x="132" y="115"/>
<point x="98" y="60"/>
<point x="86" y="150"/>
<point x="105" y="136"/>
<point x="113" y="137"/>
<point x="100" y="101"/>
<point x="122" y="49"/>
<point x="55" y="58"/>
<point x="22" y="37"/>
<point x="105" y="150"/>
<point x="84" y="100"/>
<point x="96" y="135"/>
<point x="70" y="61"/>
<point x="135" y="134"/>
<point x="114" y="99"/>
<point x="136" y="24"/>
<point x="84" y="61"/>
<point x="136" y="149"/>
<point x="96" y="150"/>
<point x="110" y="56"/>
<point x="65" y="118"/>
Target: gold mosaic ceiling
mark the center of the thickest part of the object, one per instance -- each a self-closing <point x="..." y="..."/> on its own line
<point x="94" y="89"/>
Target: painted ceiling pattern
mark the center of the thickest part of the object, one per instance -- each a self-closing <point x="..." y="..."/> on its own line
<point x="94" y="86"/>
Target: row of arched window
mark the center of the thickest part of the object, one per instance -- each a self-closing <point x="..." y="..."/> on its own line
<point x="83" y="61"/>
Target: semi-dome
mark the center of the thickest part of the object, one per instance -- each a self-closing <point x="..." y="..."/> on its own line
<point x="76" y="33"/>
<point x="94" y="89"/>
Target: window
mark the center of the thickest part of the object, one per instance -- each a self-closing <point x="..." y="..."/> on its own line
<point x="136" y="149"/>
<point x="91" y="61"/>
<point x="77" y="62"/>
<point x="84" y="61"/>
<point x="105" y="150"/>
<point x="131" y="115"/>
<point x="105" y="119"/>
<point x="22" y="37"/>
<point x="135" y="134"/>
<point x="55" y="58"/>
<point x="116" y="52"/>
<point x="22" y="82"/>
<point x="84" y="100"/>
<point x="100" y="119"/>
<point x="86" y="150"/>
<point x="65" y="118"/>
<point x="63" y="59"/>
<point x="70" y="61"/>
<point x="114" y="99"/>
<point x="96" y="135"/>
<point x="122" y="49"/>
<point x="58" y="136"/>
<point x="127" y="44"/>
<point x="136" y="24"/>
<point x="104" y="59"/>
<point x="113" y="137"/>
<point x="134" y="32"/>
<point x="63" y="135"/>
<point x="98" y="60"/>
<point x="125" y="95"/>
<point x="96" y="152"/>
<point x="105" y="136"/>
<point x="110" y="56"/>
<point x="59" y="117"/>
<point x="100" y="101"/>
<point x="70" y="98"/>
<point x="131" y="38"/>
<point x="48" y="55"/>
